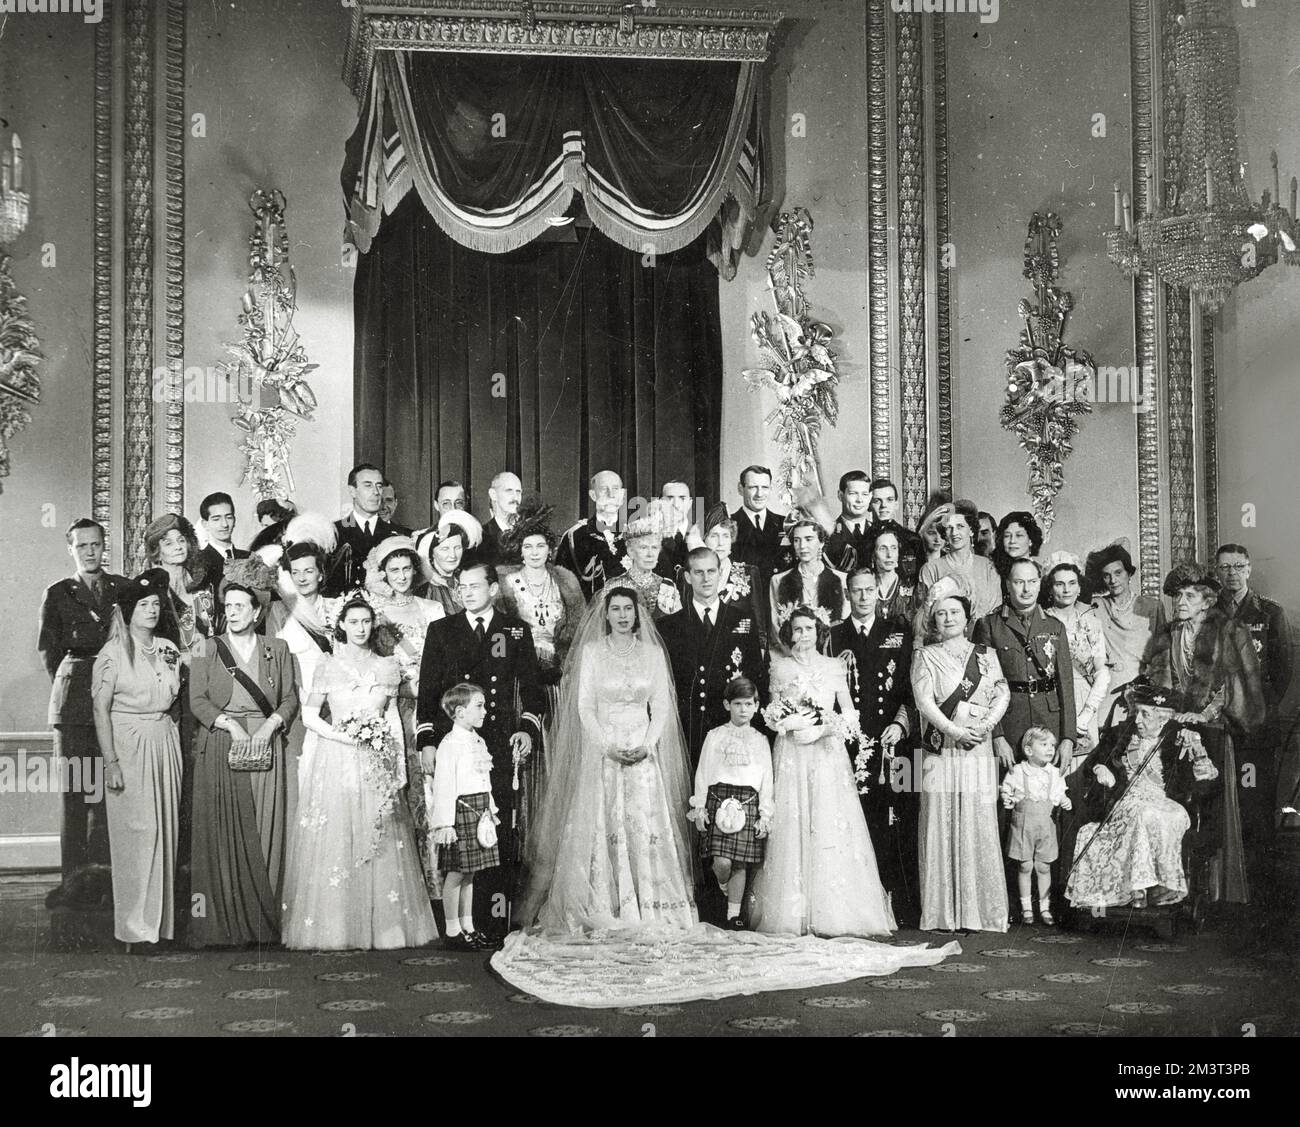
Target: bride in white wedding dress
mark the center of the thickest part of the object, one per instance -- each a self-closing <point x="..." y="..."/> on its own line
<point x="608" y="908"/>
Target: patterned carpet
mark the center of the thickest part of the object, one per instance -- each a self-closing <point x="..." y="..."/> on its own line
<point x="1120" y="981"/>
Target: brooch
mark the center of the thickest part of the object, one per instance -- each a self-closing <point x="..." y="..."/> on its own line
<point x="891" y="665"/>
<point x="966" y="684"/>
<point x="736" y="657"/>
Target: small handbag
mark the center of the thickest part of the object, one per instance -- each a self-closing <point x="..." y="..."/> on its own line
<point x="486" y="830"/>
<point x="244" y="757"/>
<point x="730" y="817"/>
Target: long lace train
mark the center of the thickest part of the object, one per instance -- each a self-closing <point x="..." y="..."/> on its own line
<point x="658" y="963"/>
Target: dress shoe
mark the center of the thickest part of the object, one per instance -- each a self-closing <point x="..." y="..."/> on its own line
<point x="460" y="943"/>
<point x="485" y="942"/>
<point x="1045" y="915"/>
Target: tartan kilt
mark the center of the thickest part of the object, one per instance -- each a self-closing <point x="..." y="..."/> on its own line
<point x="465" y="855"/>
<point x="744" y="846"/>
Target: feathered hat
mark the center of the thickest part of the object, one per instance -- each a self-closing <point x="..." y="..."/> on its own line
<point x="946" y="587"/>
<point x="457" y="522"/>
<point x="533" y="519"/>
<point x="317" y="528"/>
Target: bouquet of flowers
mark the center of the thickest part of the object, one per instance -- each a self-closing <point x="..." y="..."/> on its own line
<point x="380" y="769"/>
<point x="785" y="706"/>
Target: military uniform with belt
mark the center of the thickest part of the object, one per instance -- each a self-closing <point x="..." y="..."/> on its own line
<point x="74" y="621"/>
<point x="1034" y="653"/>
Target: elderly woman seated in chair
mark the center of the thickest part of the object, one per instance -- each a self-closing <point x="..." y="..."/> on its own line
<point x="1133" y="787"/>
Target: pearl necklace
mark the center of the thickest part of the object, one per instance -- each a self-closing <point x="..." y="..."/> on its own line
<point x="623" y="652"/>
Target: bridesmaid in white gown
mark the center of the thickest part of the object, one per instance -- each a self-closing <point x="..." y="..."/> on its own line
<point x="819" y="876"/>
<point x="353" y="877"/>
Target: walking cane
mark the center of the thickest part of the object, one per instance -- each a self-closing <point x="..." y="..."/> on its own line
<point x="1109" y="813"/>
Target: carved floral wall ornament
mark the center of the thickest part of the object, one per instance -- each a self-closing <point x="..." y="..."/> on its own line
<point x="1049" y="384"/>
<point x="799" y="367"/>
<point x="20" y="352"/>
<point x="20" y="349"/>
<point x="270" y="361"/>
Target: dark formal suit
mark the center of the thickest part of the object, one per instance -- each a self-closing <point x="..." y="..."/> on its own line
<point x="1035" y="660"/>
<point x="1270" y="636"/>
<point x="592" y="553"/>
<point x="347" y="567"/>
<point x="846" y="546"/>
<point x="672" y="556"/>
<point x="704" y="661"/>
<point x="881" y="686"/>
<point x="489" y="549"/>
<point x="762" y="549"/>
<point x="73" y="628"/>
<point x="504" y="666"/>
<point x="215" y="562"/>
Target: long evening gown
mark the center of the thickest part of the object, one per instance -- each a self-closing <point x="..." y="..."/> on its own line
<point x="1138" y="847"/>
<point x="611" y="875"/>
<point x="963" y="878"/>
<point x="820" y="874"/>
<point x="624" y="859"/>
<point x="353" y="878"/>
<point x="410" y="620"/>
<point x="144" y="816"/>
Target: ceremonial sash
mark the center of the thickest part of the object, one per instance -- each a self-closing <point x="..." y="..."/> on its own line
<point x="251" y="687"/>
<point x="970" y="678"/>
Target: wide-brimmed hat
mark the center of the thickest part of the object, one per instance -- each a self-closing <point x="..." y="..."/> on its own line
<point x="1190" y="574"/>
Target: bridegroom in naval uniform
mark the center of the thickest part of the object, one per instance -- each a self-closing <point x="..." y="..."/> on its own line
<point x="74" y="621"/>
<point x="360" y="530"/>
<point x="709" y="642"/>
<point x="877" y="652"/>
<point x="493" y="650"/>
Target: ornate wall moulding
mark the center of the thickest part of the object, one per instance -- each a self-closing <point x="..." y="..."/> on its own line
<point x="555" y="27"/>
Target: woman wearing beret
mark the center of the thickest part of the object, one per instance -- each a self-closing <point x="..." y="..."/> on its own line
<point x="136" y="679"/>
<point x="243" y="696"/>
<point x="1210" y="658"/>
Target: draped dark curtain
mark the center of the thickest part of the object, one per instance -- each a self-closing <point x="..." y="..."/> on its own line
<point x="555" y="361"/>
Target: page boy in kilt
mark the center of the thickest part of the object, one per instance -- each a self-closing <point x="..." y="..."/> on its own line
<point x="459" y="798"/>
<point x="734" y="777"/>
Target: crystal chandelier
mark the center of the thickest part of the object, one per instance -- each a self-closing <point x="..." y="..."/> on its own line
<point x="1206" y="235"/>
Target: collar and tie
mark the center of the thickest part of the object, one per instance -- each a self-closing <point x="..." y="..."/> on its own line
<point x="708" y="618"/>
<point x="230" y="553"/>
<point x="479" y="631"/>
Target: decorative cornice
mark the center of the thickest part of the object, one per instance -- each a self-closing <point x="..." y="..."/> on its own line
<point x="174" y="251"/>
<point x="556" y="27"/>
<point x="139" y="186"/>
<point x="878" y="153"/>
<point x="911" y="281"/>
<point x="101" y="437"/>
